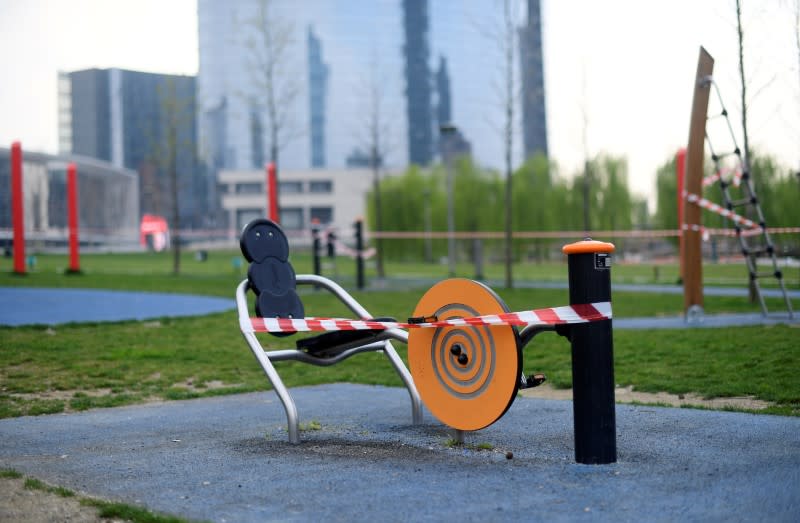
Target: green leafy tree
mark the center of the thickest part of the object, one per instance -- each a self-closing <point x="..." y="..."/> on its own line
<point x="666" y="215"/>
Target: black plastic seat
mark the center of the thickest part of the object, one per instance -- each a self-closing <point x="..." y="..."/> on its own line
<point x="335" y="342"/>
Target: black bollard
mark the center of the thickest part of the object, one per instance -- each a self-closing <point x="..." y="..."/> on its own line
<point x="589" y="264"/>
<point x="331" y="237"/>
<point x="315" y="246"/>
<point x="359" y="225"/>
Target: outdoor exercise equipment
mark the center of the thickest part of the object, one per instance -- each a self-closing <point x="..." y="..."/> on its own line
<point x="464" y="346"/>
<point x="746" y="229"/>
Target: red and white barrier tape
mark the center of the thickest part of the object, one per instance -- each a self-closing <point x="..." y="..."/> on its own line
<point x="713" y="207"/>
<point x="737" y="176"/>
<point x="344" y="250"/>
<point x="729" y="232"/>
<point x="551" y="316"/>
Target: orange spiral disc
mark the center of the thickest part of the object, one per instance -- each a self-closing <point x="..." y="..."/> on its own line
<point x="467" y="375"/>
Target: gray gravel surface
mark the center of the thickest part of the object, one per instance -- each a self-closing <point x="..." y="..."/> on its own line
<point x="227" y="459"/>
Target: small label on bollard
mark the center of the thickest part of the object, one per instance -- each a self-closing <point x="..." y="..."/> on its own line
<point x="602" y="260"/>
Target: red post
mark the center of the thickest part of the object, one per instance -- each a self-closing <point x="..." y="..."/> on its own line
<point x="72" y="217"/>
<point x="17" y="208"/>
<point x="680" y="171"/>
<point x="272" y="192"/>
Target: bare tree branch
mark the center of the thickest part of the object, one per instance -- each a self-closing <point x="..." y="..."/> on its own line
<point x="269" y="41"/>
<point x="374" y="137"/>
<point x="797" y="43"/>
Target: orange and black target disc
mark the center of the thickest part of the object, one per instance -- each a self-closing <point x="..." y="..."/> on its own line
<point x="467" y="376"/>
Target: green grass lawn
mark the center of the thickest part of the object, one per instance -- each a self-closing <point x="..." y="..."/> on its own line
<point x="228" y="265"/>
<point x="79" y="366"/>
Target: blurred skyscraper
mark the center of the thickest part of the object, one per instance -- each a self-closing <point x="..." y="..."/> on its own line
<point x="534" y="117"/>
<point x="317" y="96"/>
<point x="416" y="51"/>
<point x="444" y="109"/>
<point x="397" y="44"/>
<point x="120" y="116"/>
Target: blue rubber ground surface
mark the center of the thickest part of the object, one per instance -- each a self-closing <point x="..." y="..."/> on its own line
<point x="28" y="306"/>
<point x="227" y="459"/>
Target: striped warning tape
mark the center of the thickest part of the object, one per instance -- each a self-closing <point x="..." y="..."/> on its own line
<point x="730" y="232"/>
<point x="724" y="171"/>
<point x="551" y="316"/>
<point x="713" y="207"/>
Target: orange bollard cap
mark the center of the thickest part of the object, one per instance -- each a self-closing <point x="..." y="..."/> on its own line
<point x="588" y="246"/>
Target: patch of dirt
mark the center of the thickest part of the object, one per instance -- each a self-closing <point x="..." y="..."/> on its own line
<point x="190" y="385"/>
<point x="63" y="395"/>
<point x="628" y="395"/>
<point x="67" y="395"/>
<point x="18" y="503"/>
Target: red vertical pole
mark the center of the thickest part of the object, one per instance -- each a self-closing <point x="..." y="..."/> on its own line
<point x="272" y="192"/>
<point x="680" y="171"/>
<point x="72" y="217"/>
<point x="17" y="208"/>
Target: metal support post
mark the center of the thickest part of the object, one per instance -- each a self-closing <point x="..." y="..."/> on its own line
<point x="17" y="208"/>
<point x="72" y="219"/>
<point x="315" y="247"/>
<point x="589" y="264"/>
<point x="359" y="225"/>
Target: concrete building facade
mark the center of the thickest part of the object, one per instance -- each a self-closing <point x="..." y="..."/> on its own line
<point x="123" y="117"/>
<point x="335" y="198"/>
<point x="108" y="200"/>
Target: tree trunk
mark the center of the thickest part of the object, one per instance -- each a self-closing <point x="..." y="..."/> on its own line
<point x="587" y="189"/>
<point x="172" y="143"/>
<point x="509" y="137"/>
<point x="378" y="222"/>
<point x="753" y="295"/>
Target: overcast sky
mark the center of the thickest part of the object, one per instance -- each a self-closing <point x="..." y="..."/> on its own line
<point x="627" y="65"/>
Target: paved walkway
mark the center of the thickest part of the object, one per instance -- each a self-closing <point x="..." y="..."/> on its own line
<point x="227" y="459"/>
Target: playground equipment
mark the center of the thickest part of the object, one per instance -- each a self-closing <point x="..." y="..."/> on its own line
<point x="18" y="212"/>
<point x="154" y="232"/>
<point x="272" y="192"/>
<point x="17" y="209"/>
<point x="359" y="253"/>
<point x="690" y="189"/>
<point x="65" y="203"/>
<point x="464" y="346"/>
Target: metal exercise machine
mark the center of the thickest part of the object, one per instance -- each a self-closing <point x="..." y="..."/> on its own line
<point x="464" y="344"/>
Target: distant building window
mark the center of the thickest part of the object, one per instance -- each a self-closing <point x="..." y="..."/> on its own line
<point x="292" y="218"/>
<point x="324" y="215"/>
<point x="245" y="216"/>
<point x="320" y="186"/>
<point x="290" y="187"/>
<point x="249" y="188"/>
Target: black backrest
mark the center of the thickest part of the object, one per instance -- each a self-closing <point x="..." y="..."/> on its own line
<point x="270" y="275"/>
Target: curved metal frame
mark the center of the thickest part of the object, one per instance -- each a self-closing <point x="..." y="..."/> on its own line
<point x="381" y="343"/>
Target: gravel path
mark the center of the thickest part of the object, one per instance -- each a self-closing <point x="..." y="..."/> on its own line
<point x="226" y="459"/>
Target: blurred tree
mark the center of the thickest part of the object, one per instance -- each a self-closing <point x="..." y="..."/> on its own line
<point x="534" y="201"/>
<point x="373" y="135"/>
<point x="175" y="142"/>
<point x="666" y="216"/>
<point x="268" y="40"/>
<point x="614" y="203"/>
